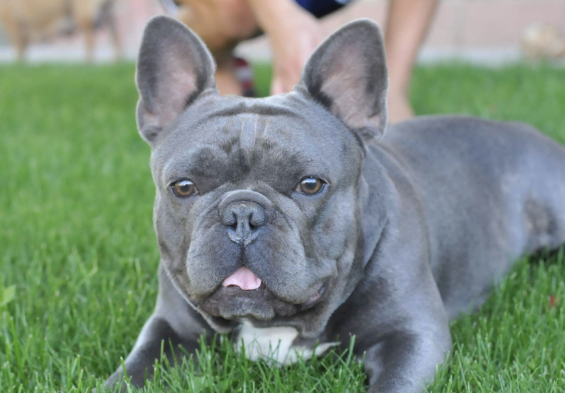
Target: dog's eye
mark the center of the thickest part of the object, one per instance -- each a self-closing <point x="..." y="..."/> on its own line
<point x="183" y="188"/>
<point x="310" y="185"/>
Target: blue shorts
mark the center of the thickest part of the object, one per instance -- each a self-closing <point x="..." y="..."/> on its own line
<point x="320" y="8"/>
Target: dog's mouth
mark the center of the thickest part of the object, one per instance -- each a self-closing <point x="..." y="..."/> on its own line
<point x="246" y="280"/>
<point x="244" y="295"/>
<point x="316" y="298"/>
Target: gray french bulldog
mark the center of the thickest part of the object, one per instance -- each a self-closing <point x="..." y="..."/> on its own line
<point x="294" y="223"/>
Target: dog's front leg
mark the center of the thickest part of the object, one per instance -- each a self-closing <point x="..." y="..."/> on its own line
<point x="156" y="339"/>
<point x="172" y="331"/>
<point x="399" y="322"/>
<point x="409" y="338"/>
<point x="405" y="362"/>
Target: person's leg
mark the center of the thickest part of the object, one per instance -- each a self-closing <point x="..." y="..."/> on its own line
<point x="407" y="23"/>
<point x="221" y="24"/>
<point x="290" y="25"/>
<point x="16" y="32"/>
<point x="112" y="24"/>
<point x="84" y="19"/>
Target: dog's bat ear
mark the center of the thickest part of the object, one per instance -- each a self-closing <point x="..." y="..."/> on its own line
<point x="173" y="69"/>
<point x="347" y="74"/>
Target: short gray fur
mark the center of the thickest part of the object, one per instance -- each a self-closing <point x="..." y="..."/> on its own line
<point x="413" y="228"/>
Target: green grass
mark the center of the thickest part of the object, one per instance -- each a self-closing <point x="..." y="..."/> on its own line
<point x="78" y="255"/>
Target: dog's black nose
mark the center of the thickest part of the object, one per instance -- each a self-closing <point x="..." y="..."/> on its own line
<point x="243" y="218"/>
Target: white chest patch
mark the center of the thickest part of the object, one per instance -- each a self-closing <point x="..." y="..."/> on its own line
<point x="275" y="344"/>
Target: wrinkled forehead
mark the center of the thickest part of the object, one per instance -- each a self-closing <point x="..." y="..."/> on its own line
<point x="278" y="130"/>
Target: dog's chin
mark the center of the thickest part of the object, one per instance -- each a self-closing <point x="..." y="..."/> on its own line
<point x="234" y="303"/>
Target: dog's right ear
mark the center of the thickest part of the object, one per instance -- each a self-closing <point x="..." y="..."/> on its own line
<point x="173" y="69"/>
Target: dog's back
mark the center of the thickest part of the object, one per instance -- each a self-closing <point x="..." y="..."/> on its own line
<point x="491" y="192"/>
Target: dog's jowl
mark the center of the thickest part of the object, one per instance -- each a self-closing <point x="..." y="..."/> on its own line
<point x="295" y="222"/>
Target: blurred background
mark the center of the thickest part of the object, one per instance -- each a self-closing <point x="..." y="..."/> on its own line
<point x="480" y="31"/>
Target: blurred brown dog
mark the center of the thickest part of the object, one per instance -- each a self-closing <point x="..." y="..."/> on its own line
<point x="25" y="21"/>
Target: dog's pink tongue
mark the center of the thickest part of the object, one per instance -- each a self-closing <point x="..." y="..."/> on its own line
<point x="243" y="278"/>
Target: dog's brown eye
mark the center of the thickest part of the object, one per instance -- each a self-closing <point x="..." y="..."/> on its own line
<point x="184" y="188"/>
<point x="310" y="186"/>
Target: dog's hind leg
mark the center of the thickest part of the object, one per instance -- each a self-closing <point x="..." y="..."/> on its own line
<point x="535" y="190"/>
<point x="545" y="215"/>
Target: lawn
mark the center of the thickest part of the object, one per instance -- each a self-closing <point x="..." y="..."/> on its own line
<point x="79" y="258"/>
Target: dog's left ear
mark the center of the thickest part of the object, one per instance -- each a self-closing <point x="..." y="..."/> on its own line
<point x="173" y="69"/>
<point x="347" y="74"/>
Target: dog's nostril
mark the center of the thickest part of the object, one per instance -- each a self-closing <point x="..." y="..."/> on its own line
<point x="232" y="223"/>
<point x="229" y="218"/>
<point x="257" y="219"/>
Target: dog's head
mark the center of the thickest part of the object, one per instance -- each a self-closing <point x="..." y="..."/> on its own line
<point x="259" y="201"/>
